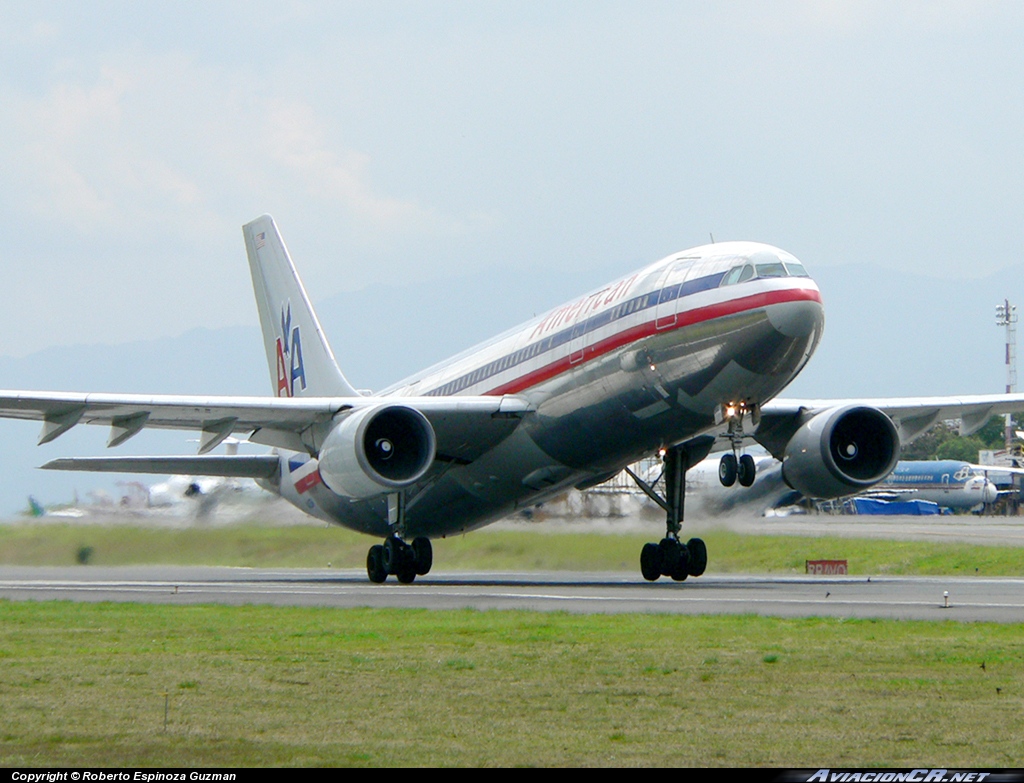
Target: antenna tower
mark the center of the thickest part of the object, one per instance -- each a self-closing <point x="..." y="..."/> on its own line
<point x="1006" y="315"/>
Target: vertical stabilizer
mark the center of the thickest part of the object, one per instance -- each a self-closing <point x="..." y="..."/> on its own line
<point x="301" y="362"/>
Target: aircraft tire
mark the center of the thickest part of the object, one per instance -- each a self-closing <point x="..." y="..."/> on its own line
<point x="375" y="564"/>
<point x="650" y="562"/>
<point x="423" y="555"/>
<point x="727" y="470"/>
<point x="681" y="570"/>
<point x="669" y="554"/>
<point x="746" y="471"/>
<point x="406" y="575"/>
<point x="698" y="556"/>
<point x="394" y="554"/>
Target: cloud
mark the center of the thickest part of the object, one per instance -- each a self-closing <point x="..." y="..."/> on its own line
<point x="143" y="139"/>
<point x="296" y="139"/>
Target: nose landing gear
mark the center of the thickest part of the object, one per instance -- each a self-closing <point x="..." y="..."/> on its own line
<point x="735" y="466"/>
<point x="732" y="469"/>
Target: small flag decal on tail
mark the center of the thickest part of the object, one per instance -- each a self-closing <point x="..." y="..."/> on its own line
<point x="261" y="239"/>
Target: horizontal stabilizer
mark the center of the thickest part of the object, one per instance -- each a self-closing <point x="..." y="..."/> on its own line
<point x="237" y="466"/>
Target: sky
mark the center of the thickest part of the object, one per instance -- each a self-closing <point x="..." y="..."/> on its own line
<point x="412" y="141"/>
<point x="495" y="150"/>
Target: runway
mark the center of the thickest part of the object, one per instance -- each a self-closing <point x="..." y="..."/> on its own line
<point x="910" y="598"/>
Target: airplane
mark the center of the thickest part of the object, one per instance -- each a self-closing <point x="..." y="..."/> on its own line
<point x="948" y="483"/>
<point x="686" y="353"/>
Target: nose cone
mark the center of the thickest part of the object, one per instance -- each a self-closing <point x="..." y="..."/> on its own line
<point x="800" y="318"/>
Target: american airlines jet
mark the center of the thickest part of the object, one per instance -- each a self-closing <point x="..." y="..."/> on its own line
<point x="675" y="358"/>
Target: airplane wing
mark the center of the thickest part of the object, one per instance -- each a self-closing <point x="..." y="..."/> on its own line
<point x="231" y="466"/>
<point x="986" y="469"/>
<point x="781" y="418"/>
<point x="464" y="426"/>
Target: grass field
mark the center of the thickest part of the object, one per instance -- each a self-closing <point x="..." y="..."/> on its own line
<point x="519" y="549"/>
<point x="84" y="684"/>
<point x="87" y="684"/>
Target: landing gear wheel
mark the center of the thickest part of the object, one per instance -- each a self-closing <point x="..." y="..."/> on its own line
<point x="746" y="471"/>
<point x="422" y="555"/>
<point x="669" y="554"/>
<point x="393" y="551"/>
<point x="698" y="556"/>
<point x="727" y="470"/>
<point x="406" y="575"/>
<point x="650" y="562"/>
<point x="375" y="564"/>
<point x="681" y="570"/>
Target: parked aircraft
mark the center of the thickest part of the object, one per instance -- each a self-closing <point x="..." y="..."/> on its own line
<point x="676" y="357"/>
<point x="948" y="483"/>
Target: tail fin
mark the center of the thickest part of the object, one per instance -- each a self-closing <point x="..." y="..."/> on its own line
<point x="301" y="362"/>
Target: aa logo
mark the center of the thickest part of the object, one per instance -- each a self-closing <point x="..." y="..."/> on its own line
<point x="289" y="356"/>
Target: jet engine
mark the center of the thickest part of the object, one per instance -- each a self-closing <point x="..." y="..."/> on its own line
<point x="377" y="450"/>
<point x="841" y="451"/>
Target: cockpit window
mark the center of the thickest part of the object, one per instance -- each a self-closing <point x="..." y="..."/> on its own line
<point x="775" y="269"/>
<point x="738" y="274"/>
<point x="796" y="269"/>
<point x="732" y="275"/>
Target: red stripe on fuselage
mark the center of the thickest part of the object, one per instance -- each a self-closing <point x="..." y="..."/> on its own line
<point x="634" y="333"/>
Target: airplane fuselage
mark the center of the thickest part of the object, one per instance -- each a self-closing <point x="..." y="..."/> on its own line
<point x="645" y="362"/>
<point x="949" y="483"/>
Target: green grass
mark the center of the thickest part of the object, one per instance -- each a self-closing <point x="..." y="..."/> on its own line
<point x="315" y="547"/>
<point x="85" y="685"/>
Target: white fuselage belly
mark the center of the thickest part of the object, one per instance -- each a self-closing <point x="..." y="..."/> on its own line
<point x="641" y="363"/>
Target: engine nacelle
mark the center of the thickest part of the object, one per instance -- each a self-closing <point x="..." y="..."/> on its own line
<point x="841" y="451"/>
<point x="377" y="450"/>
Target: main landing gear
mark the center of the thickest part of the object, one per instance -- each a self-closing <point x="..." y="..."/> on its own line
<point x="671" y="557"/>
<point x="396" y="557"/>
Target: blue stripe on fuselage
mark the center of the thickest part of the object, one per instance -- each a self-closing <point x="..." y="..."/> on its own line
<point x="573" y="331"/>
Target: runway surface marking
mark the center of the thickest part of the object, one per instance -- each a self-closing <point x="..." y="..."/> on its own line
<point x="970" y="598"/>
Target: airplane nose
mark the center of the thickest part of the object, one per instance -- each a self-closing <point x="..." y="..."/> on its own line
<point x="797" y="319"/>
